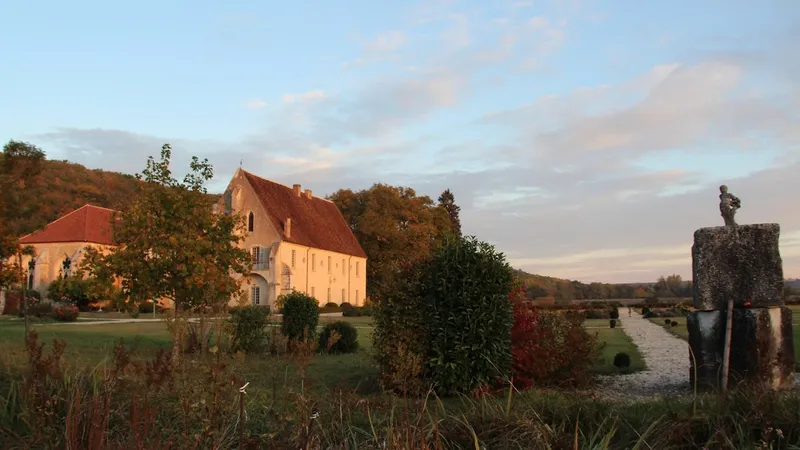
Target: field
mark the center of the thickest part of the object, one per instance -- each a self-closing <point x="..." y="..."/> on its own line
<point x="681" y="331"/>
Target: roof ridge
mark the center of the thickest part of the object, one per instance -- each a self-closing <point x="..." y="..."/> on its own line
<point x="275" y="182"/>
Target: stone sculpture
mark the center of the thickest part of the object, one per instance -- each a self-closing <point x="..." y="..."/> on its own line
<point x="728" y="204"/>
<point x="737" y="271"/>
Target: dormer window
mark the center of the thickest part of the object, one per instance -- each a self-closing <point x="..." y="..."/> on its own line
<point x="250" y="220"/>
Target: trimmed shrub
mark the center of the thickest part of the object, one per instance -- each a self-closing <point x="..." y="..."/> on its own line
<point x="622" y="360"/>
<point x="612" y="323"/>
<point x="614" y="314"/>
<point x="597" y="314"/>
<point x="550" y="348"/>
<point x="468" y="316"/>
<point x="331" y="305"/>
<point x="345" y="341"/>
<point x="668" y="321"/>
<point x="300" y="315"/>
<point x="575" y="315"/>
<point x="248" y="328"/>
<point x="448" y="323"/>
<point x="645" y="310"/>
<point x="145" y="308"/>
<point x="346" y="305"/>
<point x="674" y="323"/>
<point x="352" y="312"/>
<point x="65" y="313"/>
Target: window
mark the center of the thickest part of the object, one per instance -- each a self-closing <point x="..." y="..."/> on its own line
<point x="329" y="295"/>
<point x="250" y="221"/>
<point x="357" y="297"/>
<point x="343" y="296"/>
<point x="256" y="255"/>
<point x="255" y="295"/>
<point x="313" y="262"/>
<point x="293" y="258"/>
<point x="357" y="266"/>
<point x="329" y="264"/>
<point x="343" y="267"/>
<point x="313" y="293"/>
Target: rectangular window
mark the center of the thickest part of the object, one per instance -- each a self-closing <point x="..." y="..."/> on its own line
<point x="343" y="267"/>
<point x="329" y="264"/>
<point x="293" y="258"/>
<point x="356" y="297"/>
<point x="313" y="293"/>
<point x="357" y="267"/>
<point x="329" y="295"/>
<point x="343" y="296"/>
<point x="255" y="295"/>
<point x="256" y="255"/>
<point x="313" y="262"/>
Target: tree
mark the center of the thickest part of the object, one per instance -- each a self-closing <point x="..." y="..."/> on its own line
<point x="535" y="291"/>
<point x="448" y="201"/>
<point x="20" y="169"/>
<point x="172" y="245"/>
<point x="394" y="226"/>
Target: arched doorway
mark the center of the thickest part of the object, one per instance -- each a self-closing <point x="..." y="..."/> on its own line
<point x="257" y="291"/>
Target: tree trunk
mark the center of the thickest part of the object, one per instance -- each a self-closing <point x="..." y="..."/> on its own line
<point x="24" y="281"/>
<point x="177" y="333"/>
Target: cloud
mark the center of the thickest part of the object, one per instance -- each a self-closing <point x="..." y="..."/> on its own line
<point x="309" y="96"/>
<point x="386" y="42"/>
<point x="255" y="103"/>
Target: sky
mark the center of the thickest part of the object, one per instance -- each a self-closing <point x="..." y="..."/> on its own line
<point x="584" y="139"/>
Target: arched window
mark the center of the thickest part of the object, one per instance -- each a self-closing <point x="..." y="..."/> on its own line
<point x="250" y="220"/>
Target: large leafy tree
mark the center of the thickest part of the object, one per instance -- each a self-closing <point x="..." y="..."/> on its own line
<point x="20" y="172"/>
<point x="394" y="226"/>
<point x="172" y="245"/>
<point x="448" y="201"/>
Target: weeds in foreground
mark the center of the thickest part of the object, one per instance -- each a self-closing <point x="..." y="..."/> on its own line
<point x="135" y="403"/>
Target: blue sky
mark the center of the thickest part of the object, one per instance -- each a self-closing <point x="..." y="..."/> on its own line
<point x="586" y="139"/>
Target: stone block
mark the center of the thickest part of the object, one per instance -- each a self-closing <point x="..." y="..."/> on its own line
<point x="742" y="263"/>
<point x="762" y="348"/>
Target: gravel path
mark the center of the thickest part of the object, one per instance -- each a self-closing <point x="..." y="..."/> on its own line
<point x="666" y="357"/>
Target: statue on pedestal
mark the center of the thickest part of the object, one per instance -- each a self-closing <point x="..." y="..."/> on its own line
<point x="728" y="204"/>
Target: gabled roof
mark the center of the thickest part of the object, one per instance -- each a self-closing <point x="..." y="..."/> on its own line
<point x="316" y="222"/>
<point x="88" y="223"/>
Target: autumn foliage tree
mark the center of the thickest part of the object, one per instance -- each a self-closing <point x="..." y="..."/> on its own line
<point x="172" y="244"/>
<point x="394" y="226"/>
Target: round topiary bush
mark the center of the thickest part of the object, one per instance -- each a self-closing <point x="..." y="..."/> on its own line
<point x="331" y="305"/>
<point x="346" y="338"/>
<point x="300" y="315"/>
<point x="614" y="314"/>
<point x="612" y="323"/>
<point x="622" y="360"/>
<point x="346" y="305"/>
<point x="668" y="321"/>
<point x="674" y="323"/>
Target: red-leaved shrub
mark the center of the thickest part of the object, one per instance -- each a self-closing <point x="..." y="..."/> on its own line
<point x="550" y="348"/>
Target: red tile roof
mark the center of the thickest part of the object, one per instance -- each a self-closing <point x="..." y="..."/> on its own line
<point x="316" y="222"/>
<point x="88" y="223"/>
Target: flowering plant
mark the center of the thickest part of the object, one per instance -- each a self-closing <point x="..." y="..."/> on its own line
<point x="66" y="313"/>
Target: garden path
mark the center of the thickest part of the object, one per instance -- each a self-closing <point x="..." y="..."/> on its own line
<point x="666" y="358"/>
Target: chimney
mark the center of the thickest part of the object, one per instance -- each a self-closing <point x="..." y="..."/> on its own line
<point x="308" y="193"/>
<point x="296" y="188"/>
<point x="287" y="227"/>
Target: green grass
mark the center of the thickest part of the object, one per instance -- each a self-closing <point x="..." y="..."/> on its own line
<point x="599" y="323"/>
<point x="615" y="340"/>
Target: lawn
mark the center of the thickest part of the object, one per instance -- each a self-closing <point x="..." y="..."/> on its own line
<point x="681" y="331"/>
<point x="91" y="344"/>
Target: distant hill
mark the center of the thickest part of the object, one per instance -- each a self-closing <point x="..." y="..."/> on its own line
<point x="64" y="186"/>
<point x="795" y="284"/>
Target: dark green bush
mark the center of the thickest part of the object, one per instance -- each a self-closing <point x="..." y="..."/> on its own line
<point x="668" y="321"/>
<point x="468" y="315"/>
<point x="674" y="323"/>
<point x="81" y="292"/>
<point x="347" y="341"/>
<point x="300" y="315"/>
<point x="352" y="312"/>
<point x="622" y="360"/>
<point x="597" y="314"/>
<point x="614" y="314"/>
<point x="248" y="328"/>
<point x="612" y="323"/>
<point x="346" y="305"/>
<point x="331" y="305"/>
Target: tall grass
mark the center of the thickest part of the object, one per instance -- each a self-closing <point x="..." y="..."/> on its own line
<point x="201" y="403"/>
